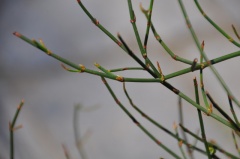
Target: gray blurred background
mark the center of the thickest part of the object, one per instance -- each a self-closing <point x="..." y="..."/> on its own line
<point x="50" y="92"/>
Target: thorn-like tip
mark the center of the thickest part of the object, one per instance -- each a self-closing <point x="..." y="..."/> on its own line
<point x="79" y="1"/>
<point x="17" y="34"/>
<point x="64" y="67"/>
<point x="174" y="126"/>
<point x="141" y="7"/>
<point x="118" y="35"/>
<point x="96" y="64"/>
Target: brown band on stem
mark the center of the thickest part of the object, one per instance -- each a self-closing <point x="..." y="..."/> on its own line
<point x="144" y="55"/>
<point x="158" y="142"/>
<point x="103" y="80"/>
<point x="119" y="43"/>
<point x="96" y="22"/>
<point x="133" y="20"/>
<point x="230" y="39"/>
<point x="117" y="101"/>
<point x="83" y="68"/>
<point x="158" y="38"/>
<point x="120" y="78"/>
<point x="175" y="57"/>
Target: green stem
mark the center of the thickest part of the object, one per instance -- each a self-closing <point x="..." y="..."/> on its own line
<point x="143" y="51"/>
<point x="232" y="110"/>
<point x="203" y="91"/>
<point x="181" y="121"/>
<point x="179" y="142"/>
<point x="237" y="128"/>
<point x="159" y="39"/>
<point x="136" y="122"/>
<point x="215" y="72"/>
<point x="158" y="124"/>
<point x="201" y="120"/>
<point x="235" y="143"/>
<point x="209" y="143"/>
<point x="215" y="25"/>
<point x="126" y="68"/>
<point x="148" y="24"/>
<point x="11" y="129"/>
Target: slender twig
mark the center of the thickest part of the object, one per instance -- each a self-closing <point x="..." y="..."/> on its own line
<point x="181" y="121"/>
<point x="12" y="128"/>
<point x="215" y="25"/>
<point x="143" y="51"/>
<point x="66" y="153"/>
<point x="121" y="79"/>
<point x="136" y="122"/>
<point x="180" y="142"/>
<point x="193" y="67"/>
<point x="222" y="112"/>
<point x="195" y="38"/>
<point x="203" y="92"/>
<point x="201" y="120"/>
<point x="77" y="134"/>
<point x="148" y="24"/>
<point x="211" y="144"/>
<point x="235" y="32"/>
<point x="159" y="39"/>
<point x="97" y="23"/>
<point x="157" y="124"/>
<point x="136" y="58"/>
<point x="126" y="69"/>
<point x="204" y="65"/>
<point x="235" y="143"/>
<point x="232" y="110"/>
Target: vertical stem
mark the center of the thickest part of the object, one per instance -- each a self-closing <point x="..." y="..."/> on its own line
<point x="143" y="51"/>
<point x="11" y="129"/>
<point x="183" y="133"/>
<point x="201" y="120"/>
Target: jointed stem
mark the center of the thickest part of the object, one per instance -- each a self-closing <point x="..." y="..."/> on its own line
<point x="143" y="51"/>
<point x="213" y="145"/>
<point x="157" y="124"/>
<point x="215" y="25"/>
<point x="201" y="120"/>
<point x="137" y="123"/>
<point x="220" y="79"/>
<point x="12" y="129"/>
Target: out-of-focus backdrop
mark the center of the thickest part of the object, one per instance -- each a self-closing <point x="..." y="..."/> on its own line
<point x="50" y="92"/>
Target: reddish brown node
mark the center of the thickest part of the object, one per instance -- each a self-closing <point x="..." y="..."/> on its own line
<point x="119" y="43"/>
<point x="158" y="142"/>
<point x="144" y="55"/>
<point x="96" y="22"/>
<point x="17" y="34"/>
<point x="133" y="20"/>
<point x="117" y="101"/>
<point x="157" y="37"/>
<point x="104" y="81"/>
<point x="175" y="57"/>
<point x="148" y="23"/>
